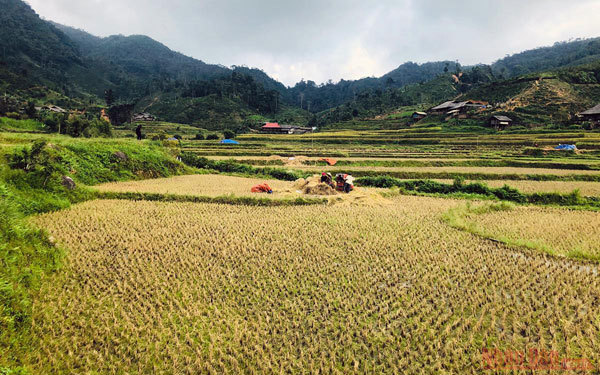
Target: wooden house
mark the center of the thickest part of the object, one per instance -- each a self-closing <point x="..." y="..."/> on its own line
<point x="143" y="117"/>
<point x="271" y="127"/>
<point x="500" y="122"/>
<point x="457" y="109"/>
<point x="418" y="116"/>
<point x="592" y="114"/>
<point x="275" y="128"/>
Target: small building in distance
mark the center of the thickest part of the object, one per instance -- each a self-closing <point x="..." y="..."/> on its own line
<point x="418" y="116"/>
<point x="275" y="128"/>
<point x="52" y="108"/>
<point x="500" y="122"/>
<point x="271" y="127"/>
<point x="442" y="108"/>
<point x="143" y="117"/>
<point x="592" y="114"/>
<point x="457" y="109"/>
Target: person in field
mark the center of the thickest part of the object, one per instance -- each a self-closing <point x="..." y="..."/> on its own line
<point x="344" y="182"/>
<point x="327" y="178"/>
<point x="138" y="132"/>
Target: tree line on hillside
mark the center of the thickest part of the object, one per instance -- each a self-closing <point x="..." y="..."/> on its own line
<point x="561" y="54"/>
<point x="241" y="86"/>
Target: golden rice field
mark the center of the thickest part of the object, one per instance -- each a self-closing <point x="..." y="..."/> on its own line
<point x="218" y="185"/>
<point x="490" y="170"/>
<point x="184" y="288"/>
<point x="591" y="189"/>
<point x="558" y="232"/>
<point x="204" y="185"/>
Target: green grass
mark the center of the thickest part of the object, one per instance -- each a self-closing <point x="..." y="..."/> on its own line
<point x="8" y="124"/>
<point x="30" y="183"/>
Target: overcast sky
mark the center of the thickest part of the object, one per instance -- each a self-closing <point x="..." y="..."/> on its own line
<point x="334" y="39"/>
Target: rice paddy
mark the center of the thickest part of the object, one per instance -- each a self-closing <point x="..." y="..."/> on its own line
<point x="370" y="283"/>
<point x="182" y="288"/>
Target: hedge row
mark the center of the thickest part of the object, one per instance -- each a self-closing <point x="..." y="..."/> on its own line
<point x="506" y="192"/>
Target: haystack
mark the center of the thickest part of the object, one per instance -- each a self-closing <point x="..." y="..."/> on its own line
<point x="313" y="186"/>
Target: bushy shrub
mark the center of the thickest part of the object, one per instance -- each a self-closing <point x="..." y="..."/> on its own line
<point x="39" y="161"/>
<point x="228" y="134"/>
<point x="199" y="137"/>
<point x="212" y="137"/>
<point x="231" y="166"/>
<point x="160" y="136"/>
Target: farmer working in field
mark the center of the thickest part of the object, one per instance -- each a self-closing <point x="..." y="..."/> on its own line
<point x="138" y="132"/>
<point x="327" y="178"/>
<point x="344" y="182"/>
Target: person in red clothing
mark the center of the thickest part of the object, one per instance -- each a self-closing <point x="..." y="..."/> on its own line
<point x="344" y="182"/>
<point x="262" y="188"/>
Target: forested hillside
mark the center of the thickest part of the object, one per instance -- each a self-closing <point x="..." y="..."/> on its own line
<point x="561" y="54"/>
<point x="32" y="51"/>
<point x="47" y="63"/>
<point x="550" y="98"/>
<point x="316" y="98"/>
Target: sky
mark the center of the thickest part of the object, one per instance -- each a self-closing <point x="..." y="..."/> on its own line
<point x="320" y="40"/>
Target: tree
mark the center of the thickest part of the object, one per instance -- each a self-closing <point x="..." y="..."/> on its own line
<point x="228" y="134"/>
<point x="31" y="111"/>
<point x="109" y="97"/>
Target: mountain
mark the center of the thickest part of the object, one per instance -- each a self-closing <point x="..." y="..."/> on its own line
<point x="548" y="98"/>
<point x="44" y="62"/>
<point x="561" y="54"/>
<point x="32" y="51"/>
<point x="316" y="98"/>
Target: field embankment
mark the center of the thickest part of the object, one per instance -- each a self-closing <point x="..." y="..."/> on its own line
<point x="33" y="179"/>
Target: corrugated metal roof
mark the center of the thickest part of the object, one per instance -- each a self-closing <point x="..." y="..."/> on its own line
<point x="592" y="111"/>
<point x="502" y="118"/>
<point x="445" y="105"/>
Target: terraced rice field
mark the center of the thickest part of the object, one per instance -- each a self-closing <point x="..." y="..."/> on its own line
<point x="485" y="170"/>
<point x="591" y="189"/>
<point x="558" y="232"/>
<point x="202" y="185"/>
<point x="185" y="288"/>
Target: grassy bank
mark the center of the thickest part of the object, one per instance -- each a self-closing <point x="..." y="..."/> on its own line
<point x="32" y="180"/>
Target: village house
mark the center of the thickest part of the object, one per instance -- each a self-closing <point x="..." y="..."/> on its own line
<point x="500" y="122"/>
<point x="418" y="116"/>
<point x="275" y="128"/>
<point x="52" y="108"/>
<point x="457" y="109"/>
<point x="143" y="117"/>
<point x="592" y="114"/>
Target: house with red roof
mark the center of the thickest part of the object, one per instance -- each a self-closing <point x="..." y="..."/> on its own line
<point x="275" y="128"/>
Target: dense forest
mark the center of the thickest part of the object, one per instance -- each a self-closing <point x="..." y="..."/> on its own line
<point x="561" y="54"/>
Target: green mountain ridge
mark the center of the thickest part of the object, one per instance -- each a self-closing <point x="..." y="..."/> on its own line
<point x="52" y="63"/>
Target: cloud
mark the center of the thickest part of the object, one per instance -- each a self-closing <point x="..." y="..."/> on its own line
<point x="334" y="39"/>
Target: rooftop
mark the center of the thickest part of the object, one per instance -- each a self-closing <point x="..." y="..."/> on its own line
<point x="592" y="111"/>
